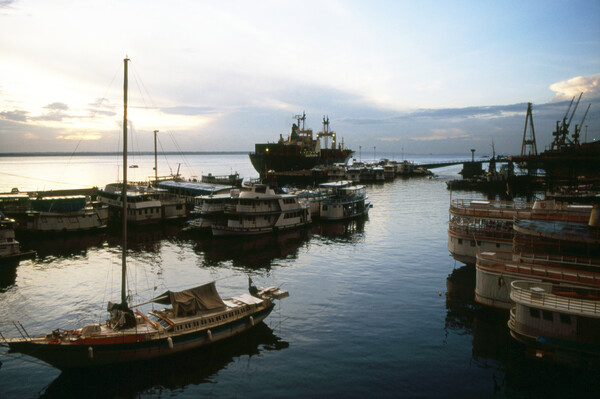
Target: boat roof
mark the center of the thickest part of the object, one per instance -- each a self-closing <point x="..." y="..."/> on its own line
<point x="195" y="188"/>
<point x="336" y="184"/>
<point x="558" y="229"/>
<point x="13" y="196"/>
<point x="215" y="197"/>
<point x="204" y="297"/>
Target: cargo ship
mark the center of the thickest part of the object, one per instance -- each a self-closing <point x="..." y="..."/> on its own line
<point x="301" y="151"/>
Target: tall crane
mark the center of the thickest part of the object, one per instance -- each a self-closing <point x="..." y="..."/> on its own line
<point x="529" y="147"/>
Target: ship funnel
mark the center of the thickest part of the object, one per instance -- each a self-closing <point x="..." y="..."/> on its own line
<point x="595" y="217"/>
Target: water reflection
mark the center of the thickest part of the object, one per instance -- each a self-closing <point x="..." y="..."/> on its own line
<point x="253" y="251"/>
<point x="8" y="274"/>
<point x="52" y="246"/>
<point x="460" y="303"/>
<point x="159" y="377"/>
<point x="145" y="238"/>
<point x="348" y="231"/>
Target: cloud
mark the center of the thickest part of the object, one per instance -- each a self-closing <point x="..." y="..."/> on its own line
<point x="16" y="115"/>
<point x="88" y="137"/>
<point x="6" y="3"/>
<point x="567" y="89"/>
<point x="56" y="113"/>
<point x="189" y="111"/>
<point x="57" y="106"/>
<point x="103" y="107"/>
<point x="443" y="134"/>
<point x="30" y="136"/>
<point x="487" y="112"/>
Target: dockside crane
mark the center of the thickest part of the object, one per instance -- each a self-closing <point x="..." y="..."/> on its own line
<point x="529" y="146"/>
<point x="561" y="135"/>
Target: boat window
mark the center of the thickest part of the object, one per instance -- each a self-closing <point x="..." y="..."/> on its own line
<point x="261" y="189"/>
<point x="565" y="318"/>
<point x="472" y="243"/>
<point x="533" y="312"/>
<point x="460" y="241"/>
<point x="547" y="315"/>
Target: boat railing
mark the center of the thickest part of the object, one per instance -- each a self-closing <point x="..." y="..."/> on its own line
<point x="542" y="295"/>
<point x="16" y="325"/>
<point x="481" y="231"/>
<point x="557" y="259"/>
<point x="508" y="210"/>
<point x="487" y="212"/>
<point x="503" y="262"/>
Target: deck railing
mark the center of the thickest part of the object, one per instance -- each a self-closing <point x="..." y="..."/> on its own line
<point x="509" y="209"/>
<point x="504" y="262"/>
<point x="542" y="295"/>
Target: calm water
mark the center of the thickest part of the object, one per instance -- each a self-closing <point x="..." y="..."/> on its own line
<point x="369" y="312"/>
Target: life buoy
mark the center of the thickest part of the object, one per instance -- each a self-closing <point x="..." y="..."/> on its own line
<point x="54" y="341"/>
<point x="542" y="205"/>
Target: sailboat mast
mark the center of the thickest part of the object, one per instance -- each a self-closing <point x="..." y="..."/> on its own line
<point x="155" y="160"/>
<point x="124" y="193"/>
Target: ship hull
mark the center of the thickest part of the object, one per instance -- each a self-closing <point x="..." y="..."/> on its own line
<point x="133" y="348"/>
<point x="282" y="161"/>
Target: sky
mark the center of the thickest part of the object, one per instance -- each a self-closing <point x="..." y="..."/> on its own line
<point x="396" y="76"/>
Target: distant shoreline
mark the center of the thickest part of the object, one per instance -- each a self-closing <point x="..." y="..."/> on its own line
<point x="87" y="154"/>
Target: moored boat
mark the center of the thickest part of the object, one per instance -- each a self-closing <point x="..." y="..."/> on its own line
<point x="301" y="150"/>
<point x="558" y="323"/>
<point x="233" y="179"/>
<point x="347" y="202"/>
<point x="495" y="271"/>
<point x="260" y="209"/>
<point x="196" y="317"/>
<point x="63" y="214"/>
<point x="210" y="210"/>
<point x="145" y="204"/>
<point x="560" y="252"/>
<point x="10" y="249"/>
<point x="487" y="225"/>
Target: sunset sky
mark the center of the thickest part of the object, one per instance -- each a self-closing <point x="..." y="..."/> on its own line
<point x="413" y="76"/>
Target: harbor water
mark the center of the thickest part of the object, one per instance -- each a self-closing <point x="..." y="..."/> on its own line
<point x="370" y="312"/>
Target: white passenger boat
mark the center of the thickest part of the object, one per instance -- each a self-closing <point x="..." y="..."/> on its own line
<point x="260" y="209"/>
<point x="196" y="317"/>
<point x="325" y="191"/>
<point x="145" y="204"/>
<point x="559" y="323"/>
<point x="481" y="225"/>
<point x="210" y="209"/>
<point x="348" y="202"/>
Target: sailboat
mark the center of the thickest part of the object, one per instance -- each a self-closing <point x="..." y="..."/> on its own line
<point x="196" y="317"/>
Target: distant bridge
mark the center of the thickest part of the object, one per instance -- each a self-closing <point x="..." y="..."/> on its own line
<point x="434" y="165"/>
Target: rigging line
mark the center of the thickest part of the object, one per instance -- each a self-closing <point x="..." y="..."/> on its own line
<point x="165" y="155"/>
<point x="44" y="180"/>
<point x="140" y="85"/>
<point x="185" y="161"/>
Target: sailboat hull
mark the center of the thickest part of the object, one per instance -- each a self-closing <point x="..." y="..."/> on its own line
<point x="132" y="347"/>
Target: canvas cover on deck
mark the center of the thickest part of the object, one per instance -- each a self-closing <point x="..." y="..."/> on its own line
<point x="188" y="302"/>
